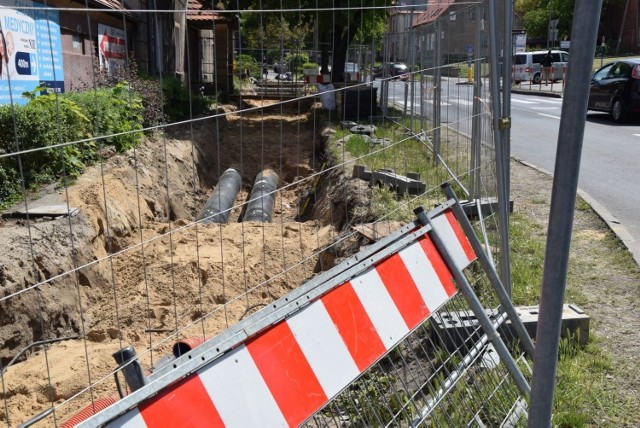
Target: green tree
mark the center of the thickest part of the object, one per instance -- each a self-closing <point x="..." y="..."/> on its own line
<point x="536" y="15"/>
<point x="339" y="23"/>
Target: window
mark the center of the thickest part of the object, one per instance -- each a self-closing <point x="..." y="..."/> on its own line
<point x="603" y="72"/>
<point x="622" y="69"/>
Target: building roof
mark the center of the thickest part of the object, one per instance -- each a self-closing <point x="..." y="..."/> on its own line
<point x="434" y="11"/>
<point x="115" y="5"/>
<point x="196" y="13"/>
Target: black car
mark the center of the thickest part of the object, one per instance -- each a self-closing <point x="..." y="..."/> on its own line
<point x="395" y="70"/>
<point x="615" y="88"/>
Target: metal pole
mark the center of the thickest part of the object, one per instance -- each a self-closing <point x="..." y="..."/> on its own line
<point x="507" y="55"/>
<point x="436" y="92"/>
<point x="384" y="83"/>
<point x="476" y="123"/>
<point x="502" y="163"/>
<point x="423" y="77"/>
<point x="563" y="198"/>
<point x="475" y="305"/>
<point x="505" y="299"/>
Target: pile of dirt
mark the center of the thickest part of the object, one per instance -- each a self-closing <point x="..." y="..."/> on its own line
<point x="146" y="270"/>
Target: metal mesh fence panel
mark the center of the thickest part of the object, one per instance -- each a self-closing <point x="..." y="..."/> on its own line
<point x="128" y="179"/>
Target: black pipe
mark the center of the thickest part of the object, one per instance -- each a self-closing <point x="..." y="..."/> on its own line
<point x="131" y="368"/>
<point x="262" y="198"/>
<point x="218" y="206"/>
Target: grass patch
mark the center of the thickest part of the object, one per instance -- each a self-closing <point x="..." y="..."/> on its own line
<point x="584" y="392"/>
<point x="527" y="259"/>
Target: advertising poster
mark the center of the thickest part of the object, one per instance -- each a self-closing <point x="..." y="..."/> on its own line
<point x="113" y="50"/>
<point x="519" y="42"/>
<point x="30" y="50"/>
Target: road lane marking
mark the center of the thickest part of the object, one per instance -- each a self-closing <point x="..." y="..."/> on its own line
<point x="515" y="100"/>
<point x="551" y="101"/>
<point x="549" y="115"/>
<point x="636" y="135"/>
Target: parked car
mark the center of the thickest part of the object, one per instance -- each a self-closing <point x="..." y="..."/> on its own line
<point x="351" y="72"/>
<point x="615" y="88"/>
<point x="280" y="67"/>
<point x="526" y="66"/>
<point x="394" y="70"/>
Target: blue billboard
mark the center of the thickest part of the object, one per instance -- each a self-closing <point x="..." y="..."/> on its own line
<point x="30" y="49"/>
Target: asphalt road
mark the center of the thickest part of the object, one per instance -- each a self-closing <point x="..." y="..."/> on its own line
<point x="609" y="167"/>
<point x="610" y="163"/>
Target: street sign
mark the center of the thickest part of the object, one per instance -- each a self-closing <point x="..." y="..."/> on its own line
<point x="470" y="49"/>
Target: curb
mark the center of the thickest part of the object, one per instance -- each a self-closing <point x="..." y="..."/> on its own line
<point x="549" y="94"/>
<point x="612" y="223"/>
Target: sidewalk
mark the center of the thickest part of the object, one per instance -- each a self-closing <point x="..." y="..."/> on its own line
<point x="551" y="90"/>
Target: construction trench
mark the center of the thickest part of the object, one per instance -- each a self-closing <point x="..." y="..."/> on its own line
<point x="250" y="247"/>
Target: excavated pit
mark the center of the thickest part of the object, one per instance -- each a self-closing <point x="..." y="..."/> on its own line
<point x="146" y="270"/>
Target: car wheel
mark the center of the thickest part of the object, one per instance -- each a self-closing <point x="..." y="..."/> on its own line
<point x="536" y="78"/>
<point x="617" y="111"/>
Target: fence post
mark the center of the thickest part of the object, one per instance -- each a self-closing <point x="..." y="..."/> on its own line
<point x="501" y="148"/>
<point x="563" y="198"/>
<point x="476" y="306"/>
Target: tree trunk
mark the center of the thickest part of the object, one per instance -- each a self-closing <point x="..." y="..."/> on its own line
<point x="342" y="38"/>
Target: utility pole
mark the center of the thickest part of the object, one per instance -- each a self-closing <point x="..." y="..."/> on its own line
<point x="549" y="28"/>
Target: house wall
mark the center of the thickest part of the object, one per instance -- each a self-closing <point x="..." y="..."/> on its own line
<point x="79" y="37"/>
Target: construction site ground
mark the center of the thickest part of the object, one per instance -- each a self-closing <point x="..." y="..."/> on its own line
<point x="173" y="176"/>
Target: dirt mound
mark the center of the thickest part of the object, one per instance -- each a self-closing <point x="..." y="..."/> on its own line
<point x="146" y="270"/>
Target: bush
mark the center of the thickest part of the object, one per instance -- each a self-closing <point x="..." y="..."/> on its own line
<point x="49" y="120"/>
<point x="246" y="62"/>
<point x="113" y="110"/>
<point x="296" y="61"/>
<point x="310" y="66"/>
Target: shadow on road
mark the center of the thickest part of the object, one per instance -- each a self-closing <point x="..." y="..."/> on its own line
<point x="605" y="119"/>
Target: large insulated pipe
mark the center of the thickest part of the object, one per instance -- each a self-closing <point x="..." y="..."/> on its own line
<point x="262" y="197"/>
<point x="218" y="206"/>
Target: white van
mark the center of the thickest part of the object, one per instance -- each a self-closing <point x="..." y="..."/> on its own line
<point x="526" y="65"/>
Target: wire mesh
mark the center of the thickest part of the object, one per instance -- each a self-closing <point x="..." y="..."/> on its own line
<point x="103" y="178"/>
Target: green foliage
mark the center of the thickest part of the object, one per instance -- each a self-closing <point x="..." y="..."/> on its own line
<point x="536" y="15"/>
<point x="527" y="258"/>
<point x="115" y="110"/>
<point x="246" y="62"/>
<point x="61" y="134"/>
<point x="45" y="121"/>
<point x="337" y="27"/>
<point x="296" y="61"/>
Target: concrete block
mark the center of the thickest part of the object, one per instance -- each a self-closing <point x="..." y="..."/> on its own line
<point x="457" y="329"/>
<point x="488" y="206"/>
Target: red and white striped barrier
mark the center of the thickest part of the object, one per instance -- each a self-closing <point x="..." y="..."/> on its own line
<point x="288" y="371"/>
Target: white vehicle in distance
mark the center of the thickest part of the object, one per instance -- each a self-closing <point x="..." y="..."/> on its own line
<point x="351" y="72"/>
<point x="526" y="66"/>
